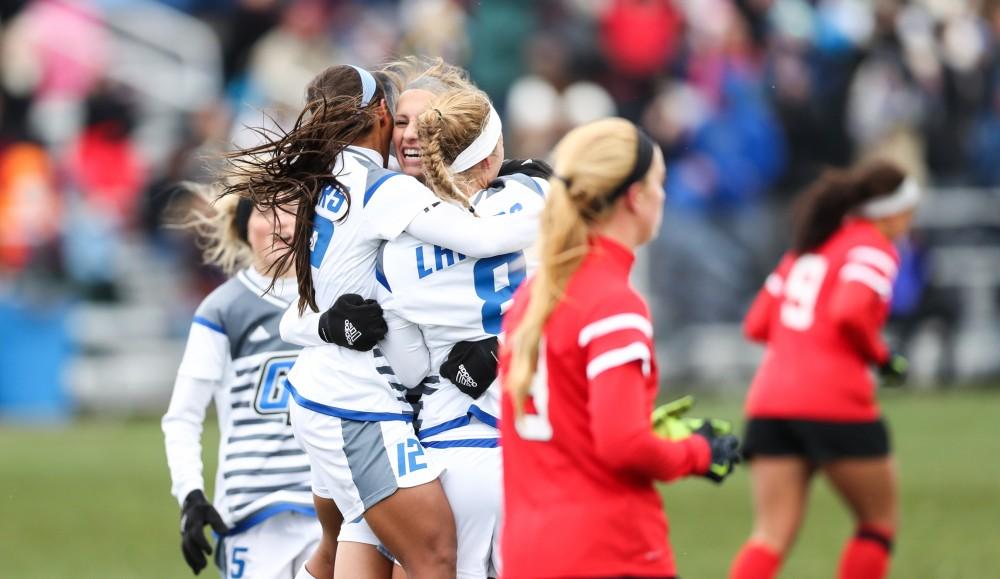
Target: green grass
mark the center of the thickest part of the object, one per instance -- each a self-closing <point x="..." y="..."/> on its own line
<point x="93" y="500"/>
<point x="946" y="445"/>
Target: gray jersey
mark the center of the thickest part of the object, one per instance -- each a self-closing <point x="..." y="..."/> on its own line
<point x="235" y="345"/>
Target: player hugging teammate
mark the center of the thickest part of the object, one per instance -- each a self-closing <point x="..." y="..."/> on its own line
<point x="395" y="285"/>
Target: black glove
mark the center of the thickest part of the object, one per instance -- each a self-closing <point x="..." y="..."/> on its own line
<point x="472" y="366"/>
<point x="725" y="452"/>
<point x="895" y="370"/>
<point x="530" y="167"/>
<point x="195" y="514"/>
<point x="353" y="323"/>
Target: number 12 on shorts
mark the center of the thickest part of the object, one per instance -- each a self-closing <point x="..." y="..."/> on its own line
<point x="408" y="457"/>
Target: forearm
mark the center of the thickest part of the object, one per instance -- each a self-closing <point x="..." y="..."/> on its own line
<point x="450" y="227"/>
<point x="404" y="348"/>
<point x="857" y="312"/>
<point x="182" y="428"/>
<point x="623" y="435"/>
<point x="301" y="330"/>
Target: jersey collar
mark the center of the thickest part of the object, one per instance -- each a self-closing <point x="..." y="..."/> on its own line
<point x="611" y="251"/>
<point x="372" y="155"/>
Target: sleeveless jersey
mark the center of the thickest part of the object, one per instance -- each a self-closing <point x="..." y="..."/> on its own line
<point x="234" y="342"/>
<point x="345" y="243"/>
<point x="454" y="298"/>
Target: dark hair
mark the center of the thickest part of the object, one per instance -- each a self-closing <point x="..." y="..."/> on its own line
<point x="821" y="208"/>
<point x="289" y="170"/>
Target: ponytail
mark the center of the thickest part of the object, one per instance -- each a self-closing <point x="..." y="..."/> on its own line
<point x="289" y="170"/>
<point x="591" y="163"/>
<point x="564" y="245"/>
<point x="821" y="208"/>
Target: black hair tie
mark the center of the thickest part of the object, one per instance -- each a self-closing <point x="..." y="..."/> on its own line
<point x="643" y="160"/>
<point x="244" y="207"/>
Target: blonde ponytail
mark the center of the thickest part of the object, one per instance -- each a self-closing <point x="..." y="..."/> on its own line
<point x="590" y="161"/>
<point x="451" y="124"/>
<point x="212" y="218"/>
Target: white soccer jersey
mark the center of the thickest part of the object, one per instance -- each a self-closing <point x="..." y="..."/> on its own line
<point x="235" y="357"/>
<point x="345" y="245"/>
<point x="454" y="298"/>
<point x="338" y="381"/>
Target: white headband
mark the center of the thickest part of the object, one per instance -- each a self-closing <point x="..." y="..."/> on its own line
<point x="904" y="198"/>
<point x="481" y="148"/>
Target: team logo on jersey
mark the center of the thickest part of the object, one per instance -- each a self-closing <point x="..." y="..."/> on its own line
<point x="272" y="392"/>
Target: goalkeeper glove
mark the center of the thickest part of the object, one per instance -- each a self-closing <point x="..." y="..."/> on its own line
<point x="353" y="322"/>
<point x="725" y="450"/>
<point x="669" y="421"/>
<point x="472" y="366"/>
<point x="894" y="370"/>
<point x="195" y="514"/>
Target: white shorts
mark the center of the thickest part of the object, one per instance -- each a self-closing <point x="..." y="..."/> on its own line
<point x="472" y="480"/>
<point x="358" y="464"/>
<point x="273" y="549"/>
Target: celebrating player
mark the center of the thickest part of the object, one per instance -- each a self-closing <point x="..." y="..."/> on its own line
<point x="579" y="377"/>
<point x="812" y="403"/>
<point x="355" y="427"/>
<point x="234" y="355"/>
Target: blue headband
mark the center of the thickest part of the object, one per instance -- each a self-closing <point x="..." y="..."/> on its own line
<point x="367" y="85"/>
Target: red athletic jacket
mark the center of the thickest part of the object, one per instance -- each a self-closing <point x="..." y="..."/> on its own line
<point x="820" y="315"/>
<point x="579" y="465"/>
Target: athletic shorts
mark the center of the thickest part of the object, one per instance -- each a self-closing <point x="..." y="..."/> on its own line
<point x="357" y="464"/>
<point x="472" y="480"/>
<point x="815" y="440"/>
<point x="276" y="547"/>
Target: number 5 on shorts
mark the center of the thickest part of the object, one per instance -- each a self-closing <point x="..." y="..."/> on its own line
<point x="407" y="456"/>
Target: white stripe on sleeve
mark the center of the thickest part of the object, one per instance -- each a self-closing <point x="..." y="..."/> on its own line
<point x="868" y="276"/>
<point x="618" y="357"/>
<point x="774" y="284"/>
<point x="874" y="257"/>
<point x="615" y="323"/>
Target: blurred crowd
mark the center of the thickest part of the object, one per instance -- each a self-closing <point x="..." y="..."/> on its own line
<point x="106" y="104"/>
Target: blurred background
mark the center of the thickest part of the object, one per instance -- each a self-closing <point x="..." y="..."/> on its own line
<point x="106" y="104"/>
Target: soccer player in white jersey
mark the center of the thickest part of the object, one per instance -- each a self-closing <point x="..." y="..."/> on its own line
<point x="457" y="299"/>
<point x="263" y="509"/>
<point x="354" y="426"/>
<point x="454" y="298"/>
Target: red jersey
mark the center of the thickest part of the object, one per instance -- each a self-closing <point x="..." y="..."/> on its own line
<point x="579" y="465"/>
<point x="821" y="315"/>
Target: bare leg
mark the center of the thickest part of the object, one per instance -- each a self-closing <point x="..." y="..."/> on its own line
<point x="361" y="561"/>
<point x="416" y="524"/>
<point x="320" y="564"/>
<point x="780" y="489"/>
<point x="870" y="489"/>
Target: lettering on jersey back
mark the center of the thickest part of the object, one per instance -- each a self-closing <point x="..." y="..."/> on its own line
<point x="443" y="258"/>
<point x="272" y="395"/>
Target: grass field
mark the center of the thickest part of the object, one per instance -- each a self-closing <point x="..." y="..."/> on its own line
<point x="92" y="500"/>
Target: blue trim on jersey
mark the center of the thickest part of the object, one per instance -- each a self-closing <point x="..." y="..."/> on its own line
<point x="467" y="443"/>
<point x="538" y="188"/>
<point x="265" y="514"/>
<point x="380" y="269"/>
<point x="444" y="427"/>
<point x="344" y="412"/>
<point x="208" y="324"/>
<point x="484" y="417"/>
<point x="371" y="190"/>
<point x="474" y="412"/>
